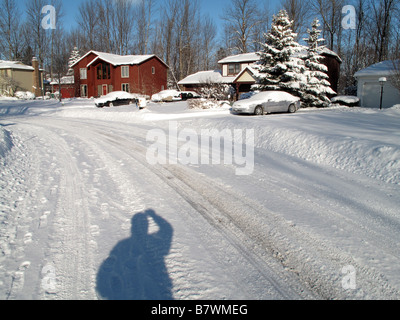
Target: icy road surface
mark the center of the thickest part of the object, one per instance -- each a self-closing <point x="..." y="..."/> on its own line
<point x="83" y="215"/>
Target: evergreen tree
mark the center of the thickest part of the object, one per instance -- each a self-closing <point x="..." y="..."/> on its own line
<point x="280" y="67"/>
<point x="318" y="87"/>
<point x="75" y="56"/>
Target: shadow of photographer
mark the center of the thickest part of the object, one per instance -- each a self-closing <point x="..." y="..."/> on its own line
<point x="135" y="268"/>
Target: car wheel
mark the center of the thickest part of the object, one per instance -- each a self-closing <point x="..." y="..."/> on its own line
<point x="292" y="108"/>
<point x="258" y="111"/>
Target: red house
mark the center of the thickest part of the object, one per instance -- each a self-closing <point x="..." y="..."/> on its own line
<point x="98" y="73"/>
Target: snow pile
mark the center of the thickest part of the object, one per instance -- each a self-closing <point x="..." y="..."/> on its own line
<point x="6" y="142"/>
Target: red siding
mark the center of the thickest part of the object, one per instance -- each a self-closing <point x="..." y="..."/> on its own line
<point x="67" y="90"/>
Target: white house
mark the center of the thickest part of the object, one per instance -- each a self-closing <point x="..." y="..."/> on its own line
<point x="369" y="88"/>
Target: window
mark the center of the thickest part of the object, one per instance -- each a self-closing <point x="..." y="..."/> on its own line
<point x="125" y="71"/>
<point x="84" y="92"/>
<point x="103" y="71"/>
<point x="83" y="74"/>
<point x="125" y="87"/>
<point x="234" y="68"/>
<point x="153" y="70"/>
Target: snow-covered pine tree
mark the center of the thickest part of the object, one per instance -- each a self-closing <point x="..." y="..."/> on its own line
<point x="75" y="56"/>
<point x="318" y="86"/>
<point x="280" y="68"/>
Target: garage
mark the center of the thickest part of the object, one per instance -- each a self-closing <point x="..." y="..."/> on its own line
<point x="369" y="87"/>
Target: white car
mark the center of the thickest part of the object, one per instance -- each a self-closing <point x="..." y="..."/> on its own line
<point x="267" y="102"/>
<point x="166" y="96"/>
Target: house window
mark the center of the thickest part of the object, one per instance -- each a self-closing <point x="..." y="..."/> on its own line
<point x="125" y="87"/>
<point x="125" y="71"/>
<point x="103" y="71"/>
<point x="83" y="73"/>
<point x="234" y="68"/>
<point x="153" y="70"/>
<point x="84" y="92"/>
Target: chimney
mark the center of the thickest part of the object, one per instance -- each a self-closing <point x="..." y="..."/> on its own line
<point x="37" y="88"/>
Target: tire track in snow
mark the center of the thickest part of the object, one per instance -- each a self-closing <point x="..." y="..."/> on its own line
<point x="184" y="184"/>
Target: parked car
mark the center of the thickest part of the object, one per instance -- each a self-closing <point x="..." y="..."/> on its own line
<point x="267" y="102"/>
<point x="116" y="98"/>
<point x="185" y="95"/>
<point x="166" y="96"/>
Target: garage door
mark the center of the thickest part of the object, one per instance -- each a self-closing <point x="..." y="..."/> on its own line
<point x="372" y="93"/>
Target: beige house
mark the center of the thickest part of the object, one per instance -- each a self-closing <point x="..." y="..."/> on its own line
<point x="16" y="76"/>
<point x="238" y="71"/>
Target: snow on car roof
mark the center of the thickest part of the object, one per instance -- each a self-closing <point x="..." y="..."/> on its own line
<point x="116" y="95"/>
<point x="274" y="95"/>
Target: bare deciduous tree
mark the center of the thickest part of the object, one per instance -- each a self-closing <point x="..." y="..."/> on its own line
<point x="10" y="29"/>
<point x="330" y="12"/>
<point x="88" y="21"/>
<point x="242" y="17"/>
<point x="37" y="34"/>
<point x="381" y="26"/>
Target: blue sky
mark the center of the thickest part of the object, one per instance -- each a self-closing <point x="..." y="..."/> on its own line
<point x="214" y="8"/>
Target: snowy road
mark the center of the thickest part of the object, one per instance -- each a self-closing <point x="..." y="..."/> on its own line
<point x="85" y="216"/>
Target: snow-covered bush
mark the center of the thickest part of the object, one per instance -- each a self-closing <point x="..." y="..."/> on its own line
<point x="350" y="101"/>
<point x="25" y="95"/>
<point x="217" y="91"/>
<point x="206" y="103"/>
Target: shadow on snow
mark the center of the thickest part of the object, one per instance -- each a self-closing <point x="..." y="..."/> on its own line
<point x="135" y="268"/>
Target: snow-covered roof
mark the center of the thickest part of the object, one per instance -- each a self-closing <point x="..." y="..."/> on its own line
<point x="64" y="80"/>
<point x="212" y="76"/>
<point x="322" y="51"/>
<point x="118" y="60"/>
<point x="380" y="69"/>
<point x="329" y="52"/>
<point x="244" y="57"/>
<point x="14" y="65"/>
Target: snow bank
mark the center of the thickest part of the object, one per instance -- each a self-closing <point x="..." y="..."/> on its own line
<point x="6" y="142"/>
<point x="362" y="142"/>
